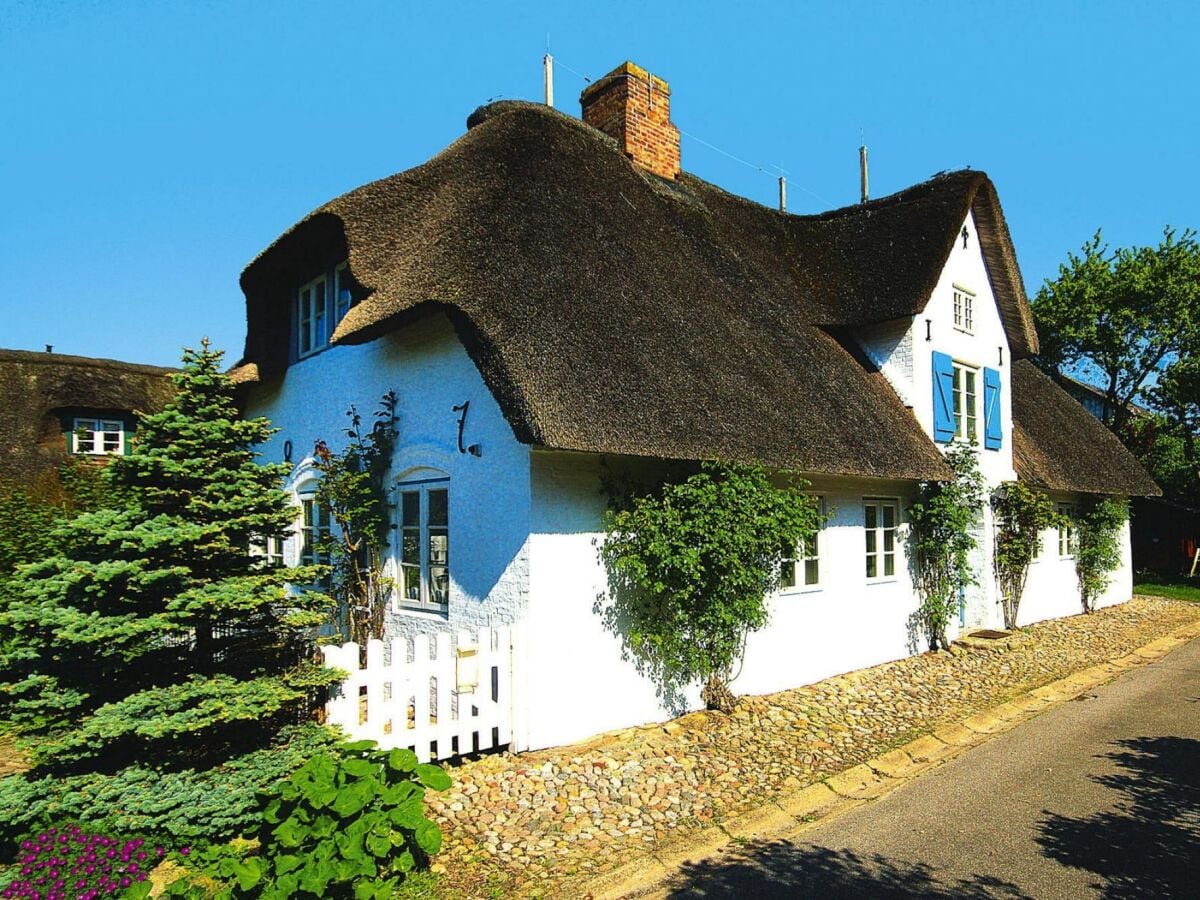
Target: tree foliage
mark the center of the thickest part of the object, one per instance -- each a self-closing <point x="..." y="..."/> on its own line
<point x="1098" y="524"/>
<point x="1021" y="514"/>
<point x="942" y="526"/>
<point x="689" y="566"/>
<point x="1127" y="315"/>
<point x="353" y="488"/>
<point x="156" y="635"/>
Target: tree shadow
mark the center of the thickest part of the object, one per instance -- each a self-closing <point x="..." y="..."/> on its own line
<point x="1147" y="843"/>
<point x="781" y="868"/>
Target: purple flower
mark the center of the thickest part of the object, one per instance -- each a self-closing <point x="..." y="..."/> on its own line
<point x="185" y="850"/>
<point x="159" y="851"/>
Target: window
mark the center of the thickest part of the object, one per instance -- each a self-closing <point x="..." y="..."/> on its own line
<point x="320" y="305"/>
<point x="966" y="403"/>
<point x="1067" y="539"/>
<point x="314" y="533"/>
<point x="425" y="545"/>
<point x="273" y="551"/>
<point x="879" y="519"/>
<point x="98" y="436"/>
<point x="964" y="309"/>
<point x="802" y="565"/>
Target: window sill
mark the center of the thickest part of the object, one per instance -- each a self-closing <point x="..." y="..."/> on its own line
<point x="423" y="611"/>
<point x="887" y="579"/>
<point x="801" y="589"/>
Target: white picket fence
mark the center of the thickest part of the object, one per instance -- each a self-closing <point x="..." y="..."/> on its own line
<point x="422" y="693"/>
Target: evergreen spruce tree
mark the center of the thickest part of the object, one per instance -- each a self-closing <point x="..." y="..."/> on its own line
<point x="157" y="637"/>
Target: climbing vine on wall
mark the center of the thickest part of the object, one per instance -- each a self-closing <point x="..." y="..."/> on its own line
<point x="1098" y="523"/>
<point x="1021" y="514"/>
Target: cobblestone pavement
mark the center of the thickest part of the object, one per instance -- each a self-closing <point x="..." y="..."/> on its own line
<point x="535" y="823"/>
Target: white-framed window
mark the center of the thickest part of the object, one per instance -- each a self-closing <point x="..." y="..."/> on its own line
<point x="964" y="309"/>
<point x="320" y="305"/>
<point x="99" y="437"/>
<point x="424" y="509"/>
<point x="269" y="552"/>
<point x="314" y="533"/>
<point x="966" y="403"/>
<point x="881" y="517"/>
<point x="802" y="564"/>
<point x="1067" y="538"/>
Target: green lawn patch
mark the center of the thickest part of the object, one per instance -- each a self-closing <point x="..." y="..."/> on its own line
<point x="1171" y="588"/>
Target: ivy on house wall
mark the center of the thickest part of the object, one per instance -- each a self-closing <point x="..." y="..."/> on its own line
<point x="1098" y="523"/>
<point x="1021" y="514"/>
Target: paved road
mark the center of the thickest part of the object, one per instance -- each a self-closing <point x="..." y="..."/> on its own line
<point x="1099" y="797"/>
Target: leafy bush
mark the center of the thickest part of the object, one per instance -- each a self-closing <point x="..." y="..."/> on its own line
<point x="345" y="824"/>
<point x="941" y="538"/>
<point x="1098" y="554"/>
<point x="689" y="567"/>
<point x="1021" y="514"/>
<point x="187" y="805"/>
<point x="70" y="862"/>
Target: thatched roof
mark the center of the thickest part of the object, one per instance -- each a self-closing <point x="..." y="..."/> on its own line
<point x="613" y="311"/>
<point x="36" y="387"/>
<point x="1059" y="445"/>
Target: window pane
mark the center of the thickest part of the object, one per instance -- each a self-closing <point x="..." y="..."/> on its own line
<point x="889" y="541"/>
<point x="889" y="516"/>
<point x="870" y="566"/>
<point x="438" y="511"/>
<point x="412" y="582"/>
<point x="410" y="554"/>
<point x="811" y="571"/>
<point x="439" y="547"/>
<point x="307" y="506"/>
<point x="789" y="574"/>
<point x="410" y="502"/>
<point x="889" y="564"/>
<point x="439" y="584"/>
<point x="872" y="537"/>
<point x="871" y="515"/>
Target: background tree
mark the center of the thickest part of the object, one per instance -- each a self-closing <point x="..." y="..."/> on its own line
<point x="1125" y="315"/>
<point x="157" y="636"/>
<point x="353" y="488"/>
<point x="689" y="567"/>
<point x="1021" y="514"/>
<point x="941" y="537"/>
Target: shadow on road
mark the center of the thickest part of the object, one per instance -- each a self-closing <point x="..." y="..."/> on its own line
<point x="778" y="869"/>
<point x="1148" y="843"/>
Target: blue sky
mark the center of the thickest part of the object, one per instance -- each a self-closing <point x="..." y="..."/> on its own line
<point x="150" y="150"/>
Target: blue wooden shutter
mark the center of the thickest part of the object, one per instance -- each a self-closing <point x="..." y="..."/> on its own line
<point x="993" y="426"/>
<point x="943" y="398"/>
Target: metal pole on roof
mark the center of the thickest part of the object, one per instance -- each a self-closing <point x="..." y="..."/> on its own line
<point x="548" y="70"/>
<point x="862" y="173"/>
<point x="782" y="193"/>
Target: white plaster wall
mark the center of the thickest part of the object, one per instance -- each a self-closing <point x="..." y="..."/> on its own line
<point x="1052" y="589"/>
<point x="489" y="496"/>
<point x="889" y="345"/>
<point x="847" y="622"/>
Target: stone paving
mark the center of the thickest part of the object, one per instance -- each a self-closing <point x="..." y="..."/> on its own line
<point x="537" y="823"/>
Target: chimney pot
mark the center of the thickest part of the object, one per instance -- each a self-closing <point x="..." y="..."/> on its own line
<point x="634" y="107"/>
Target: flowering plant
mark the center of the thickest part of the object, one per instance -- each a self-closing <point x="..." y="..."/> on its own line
<point x="69" y="863"/>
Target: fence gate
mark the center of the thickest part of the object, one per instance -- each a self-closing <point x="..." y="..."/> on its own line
<point x="439" y="698"/>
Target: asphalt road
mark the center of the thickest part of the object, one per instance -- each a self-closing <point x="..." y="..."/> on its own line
<point x="1099" y="797"/>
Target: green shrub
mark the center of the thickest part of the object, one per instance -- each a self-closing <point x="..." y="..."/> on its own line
<point x="1098" y="555"/>
<point x="188" y="805"/>
<point x="345" y="824"/>
<point x="1021" y="514"/>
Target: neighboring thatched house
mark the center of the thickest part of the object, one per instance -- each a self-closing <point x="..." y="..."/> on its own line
<point x="598" y="307"/>
<point x="53" y="406"/>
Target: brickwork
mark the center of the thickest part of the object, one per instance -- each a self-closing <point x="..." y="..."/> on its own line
<point x="634" y="107"/>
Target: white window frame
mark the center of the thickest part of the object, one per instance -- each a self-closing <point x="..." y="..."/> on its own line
<point x="321" y="313"/>
<point x="426" y="569"/>
<point x="796" y="565"/>
<point x="965" y="404"/>
<point x="1068" y="539"/>
<point x="880" y="554"/>
<point x="309" y="533"/>
<point x="964" y="309"/>
<point x="97" y="429"/>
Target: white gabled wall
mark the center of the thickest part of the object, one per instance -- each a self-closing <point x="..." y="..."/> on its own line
<point x="428" y="368"/>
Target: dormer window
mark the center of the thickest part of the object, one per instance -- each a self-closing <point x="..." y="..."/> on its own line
<point x="98" y="437"/>
<point x="320" y="305"/>
<point x="964" y="309"/>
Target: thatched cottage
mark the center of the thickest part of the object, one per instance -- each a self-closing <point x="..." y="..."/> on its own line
<point x="53" y="406"/>
<point x="548" y="296"/>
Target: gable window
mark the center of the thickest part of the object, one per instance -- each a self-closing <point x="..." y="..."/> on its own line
<point x="964" y="310"/>
<point x="320" y="306"/>
<point x="425" y="545"/>
<point x="802" y="564"/>
<point x="880" y="518"/>
<point x="966" y="403"/>
<point x="1067" y="538"/>
<point x="99" y="437"/>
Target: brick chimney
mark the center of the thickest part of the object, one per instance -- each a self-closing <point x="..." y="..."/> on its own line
<point x="634" y="107"/>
